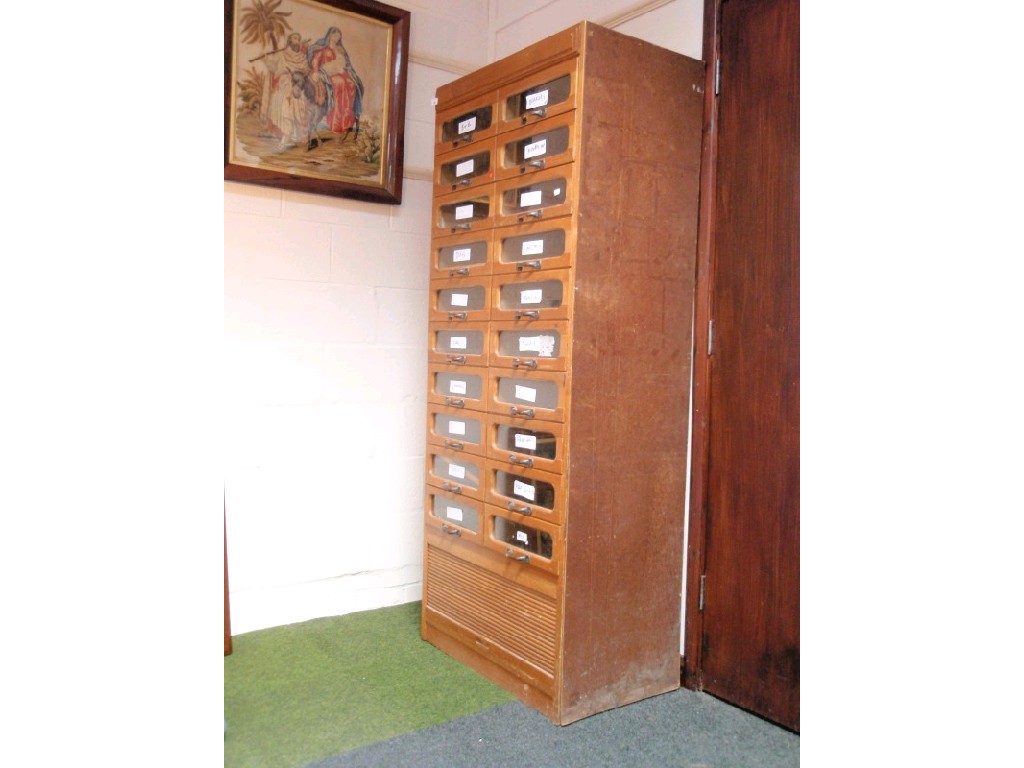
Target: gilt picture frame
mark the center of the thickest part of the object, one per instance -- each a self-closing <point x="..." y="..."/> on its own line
<point x="314" y="96"/>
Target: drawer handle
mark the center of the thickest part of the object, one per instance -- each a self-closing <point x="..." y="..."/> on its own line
<point x="527" y="412"/>
<point x="456" y="315"/>
<point x="460" y="226"/>
<point x="531" y="164"/>
<point x="450" y="530"/>
<point x="533" y="314"/>
<point x="464" y="271"/>
<point x="455" y="403"/>
<point x="516" y="363"/>
<point x="453" y="445"/>
<point x="520" y="508"/>
<point x="531" y="264"/>
<point x="463" y="137"/>
<point x="456" y="359"/>
<point x="463" y="182"/>
<point x="514" y="556"/>
<point x="538" y="112"/>
<point x="531" y="214"/>
<point x="513" y="459"/>
<point x="451" y="488"/>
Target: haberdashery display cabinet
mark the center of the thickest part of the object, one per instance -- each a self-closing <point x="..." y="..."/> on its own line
<point x="561" y="296"/>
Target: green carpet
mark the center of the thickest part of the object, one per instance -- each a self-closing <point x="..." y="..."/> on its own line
<point x="303" y="692"/>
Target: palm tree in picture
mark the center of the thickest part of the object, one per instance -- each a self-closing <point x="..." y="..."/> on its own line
<point x="262" y="22"/>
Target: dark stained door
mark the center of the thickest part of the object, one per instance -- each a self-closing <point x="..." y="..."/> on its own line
<point x="751" y="621"/>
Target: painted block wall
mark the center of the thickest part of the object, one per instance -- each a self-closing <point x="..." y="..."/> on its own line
<point x="325" y="306"/>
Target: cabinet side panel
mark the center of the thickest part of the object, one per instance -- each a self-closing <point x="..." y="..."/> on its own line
<point x="631" y="356"/>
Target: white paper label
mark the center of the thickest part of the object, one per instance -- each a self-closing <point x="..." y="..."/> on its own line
<point x="530" y="198"/>
<point x="557" y="192"/>
<point x="534" y="100"/>
<point x="467" y="125"/>
<point x="532" y="247"/>
<point x="456" y="387"/>
<point x="464" y="211"/>
<point x="520" y="488"/>
<point x="466" y="166"/>
<point x="457" y="427"/>
<point x="460" y="299"/>
<point x="542" y="345"/>
<point x="526" y="441"/>
<point x="458" y="342"/>
<point x="535" y="149"/>
<point x="454" y="513"/>
<point x="529" y="394"/>
<point x="524" y="537"/>
<point x="461" y="254"/>
<point x="531" y="296"/>
<point x="457" y="471"/>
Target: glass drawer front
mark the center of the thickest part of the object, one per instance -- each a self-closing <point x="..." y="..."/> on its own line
<point x="524" y="200"/>
<point x="458" y="387"/>
<point x="460" y="429"/>
<point x="547" y="93"/>
<point x="531" y="249"/>
<point x="455" y="473"/>
<point x="464" y="170"/>
<point x="542" y="294"/>
<point x="459" y="301"/>
<point x="464" y="126"/>
<point x="530" y="344"/>
<point x="460" y="342"/>
<point x="533" y="147"/>
<point x="532" y="490"/>
<point x="459" y="512"/>
<point x="530" y="393"/>
<point x="461" y="256"/>
<point x="463" y="214"/>
<point x="523" y="537"/>
<point x="533" y="443"/>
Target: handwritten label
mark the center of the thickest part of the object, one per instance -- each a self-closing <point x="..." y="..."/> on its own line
<point x="530" y="198"/>
<point x="457" y="471"/>
<point x="461" y="254"/>
<point x="454" y="513"/>
<point x="523" y="490"/>
<point x="464" y="211"/>
<point x="457" y="427"/>
<point x="458" y="342"/>
<point x="460" y="299"/>
<point x="529" y="442"/>
<point x="533" y="247"/>
<point x="456" y="387"/>
<point x="542" y="345"/>
<point x="531" y="296"/>
<point x="467" y="125"/>
<point x="534" y="100"/>
<point x="466" y="166"/>
<point x="535" y="149"/>
<point x="523" y="537"/>
<point x="527" y="394"/>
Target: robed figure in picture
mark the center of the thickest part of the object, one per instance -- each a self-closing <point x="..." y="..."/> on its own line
<point x="336" y="82"/>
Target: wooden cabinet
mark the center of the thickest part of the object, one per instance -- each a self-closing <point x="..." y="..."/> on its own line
<point x="562" y="274"/>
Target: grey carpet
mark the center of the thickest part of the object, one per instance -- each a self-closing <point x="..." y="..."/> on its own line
<point x="682" y="729"/>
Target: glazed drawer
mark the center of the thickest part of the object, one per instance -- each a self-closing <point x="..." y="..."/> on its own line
<point x="524" y="394"/>
<point x="527" y="541"/>
<point x="455" y="515"/>
<point x="455" y="429"/>
<point x="529" y="443"/>
<point x="525" y="296"/>
<point x="464" y="168"/>
<point x="464" y="211"/>
<point x="461" y="255"/>
<point x="541" y="346"/>
<point x="458" y="344"/>
<point x="525" y="493"/>
<point x="458" y="386"/>
<point x="458" y="473"/>
<point x="545" y="144"/>
<point x="534" y="247"/>
<point x="469" y="123"/>
<point x="461" y="299"/>
<point x="546" y="93"/>
<point x="545" y="194"/>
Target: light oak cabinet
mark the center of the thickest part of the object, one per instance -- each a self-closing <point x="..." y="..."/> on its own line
<point x="561" y="297"/>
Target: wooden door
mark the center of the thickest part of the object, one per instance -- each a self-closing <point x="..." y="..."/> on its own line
<point x="744" y="646"/>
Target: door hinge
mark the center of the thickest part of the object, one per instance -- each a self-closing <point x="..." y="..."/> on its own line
<point x="700" y="597"/>
<point x="718" y="76"/>
<point x="711" y="337"/>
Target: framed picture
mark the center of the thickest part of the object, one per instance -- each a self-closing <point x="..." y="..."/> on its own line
<point x="314" y="96"/>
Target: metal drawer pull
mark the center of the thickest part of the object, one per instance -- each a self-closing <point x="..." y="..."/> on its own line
<point x="538" y="112"/>
<point x="513" y="459"/>
<point x="461" y="226"/>
<point x="533" y="314"/>
<point x="462" y="137"/>
<point x="456" y="315"/>
<point x="464" y="271"/>
<point x="527" y="412"/>
<point x="456" y="358"/>
<point x="531" y="264"/>
<point x="454" y="402"/>
<point x="450" y="530"/>
<point x="463" y="182"/>
<point x="451" y="488"/>
<point x="453" y="445"/>
<point x="516" y="363"/>
<point x="532" y="214"/>
<point x="520" y="508"/>
<point x="531" y="164"/>
<point x="514" y="556"/>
